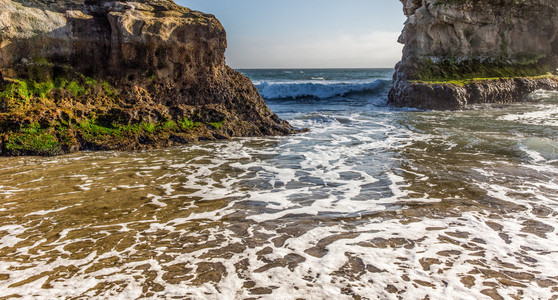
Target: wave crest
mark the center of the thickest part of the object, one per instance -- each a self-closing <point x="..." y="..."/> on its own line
<point x="318" y="90"/>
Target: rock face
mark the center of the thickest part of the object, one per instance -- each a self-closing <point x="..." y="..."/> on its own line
<point x="464" y="41"/>
<point x="451" y="96"/>
<point x="118" y="64"/>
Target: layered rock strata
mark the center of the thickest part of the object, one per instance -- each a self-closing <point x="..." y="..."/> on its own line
<point x="119" y="75"/>
<point x="459" y="52"/>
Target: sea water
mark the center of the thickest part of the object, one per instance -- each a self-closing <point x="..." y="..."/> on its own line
<point x="374" y="202"/>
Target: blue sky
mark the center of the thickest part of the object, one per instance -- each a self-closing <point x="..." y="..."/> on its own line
<point x="308" y="33"/>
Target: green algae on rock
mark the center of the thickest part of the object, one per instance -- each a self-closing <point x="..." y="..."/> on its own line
<point x="126" y="75"/>
<point x="511" y="44"/>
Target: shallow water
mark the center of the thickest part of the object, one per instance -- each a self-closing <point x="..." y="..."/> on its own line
<point x="374" y="203"/>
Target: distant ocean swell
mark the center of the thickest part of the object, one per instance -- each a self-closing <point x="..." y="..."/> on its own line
<point x="298" y="90"/>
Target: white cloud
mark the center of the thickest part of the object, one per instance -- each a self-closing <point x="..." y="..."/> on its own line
<point x="377" y="49"/>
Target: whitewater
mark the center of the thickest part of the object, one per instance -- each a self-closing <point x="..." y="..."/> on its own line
<point x="374" y="202"/>
<point x="318" y="83"/>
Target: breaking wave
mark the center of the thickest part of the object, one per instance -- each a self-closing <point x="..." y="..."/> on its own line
<point x="290" y="90"/>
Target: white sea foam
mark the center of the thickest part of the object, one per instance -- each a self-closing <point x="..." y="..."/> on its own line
<point x="546" y="116"/>
<point x="46" y="212"/>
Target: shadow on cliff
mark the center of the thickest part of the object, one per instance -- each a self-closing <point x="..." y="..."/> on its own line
<point x="94" y="41"/>
<point x="58" y="47"/>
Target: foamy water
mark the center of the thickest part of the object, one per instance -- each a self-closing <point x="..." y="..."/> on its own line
<point x="374" y="203"/>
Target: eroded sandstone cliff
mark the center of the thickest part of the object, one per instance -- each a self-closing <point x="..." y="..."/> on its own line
<point x="119" y="75"/>
<point x="459" y="52"/>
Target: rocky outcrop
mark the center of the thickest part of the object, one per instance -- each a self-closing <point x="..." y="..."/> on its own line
<point x="450" y="96"/>
<point x="459" y="52"/>
<point x="119" y="75"/>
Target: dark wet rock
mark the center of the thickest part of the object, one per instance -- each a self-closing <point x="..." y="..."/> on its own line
<point x="466" y="52"/>
<point x="108" y="66"/>
<point x="449" y="96"/>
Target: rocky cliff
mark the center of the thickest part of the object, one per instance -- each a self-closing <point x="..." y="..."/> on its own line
<point x="119" y="75"/>
<point x="459" y="52"/>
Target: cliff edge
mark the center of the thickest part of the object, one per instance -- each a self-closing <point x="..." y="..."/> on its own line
<point x="461" y="52"/>
<point x="126" y="75"/>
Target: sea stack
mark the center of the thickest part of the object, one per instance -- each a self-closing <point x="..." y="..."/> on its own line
<point x="462" y="52"/>
<point x="123" y="75"/>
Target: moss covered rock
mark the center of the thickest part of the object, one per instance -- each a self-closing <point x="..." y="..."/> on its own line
<point x="119" y="75"/>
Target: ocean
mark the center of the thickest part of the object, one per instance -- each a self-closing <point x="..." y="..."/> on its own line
<point x="375" y="202"/>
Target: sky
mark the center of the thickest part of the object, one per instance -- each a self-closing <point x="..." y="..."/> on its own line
<point x="308" y="33"/>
